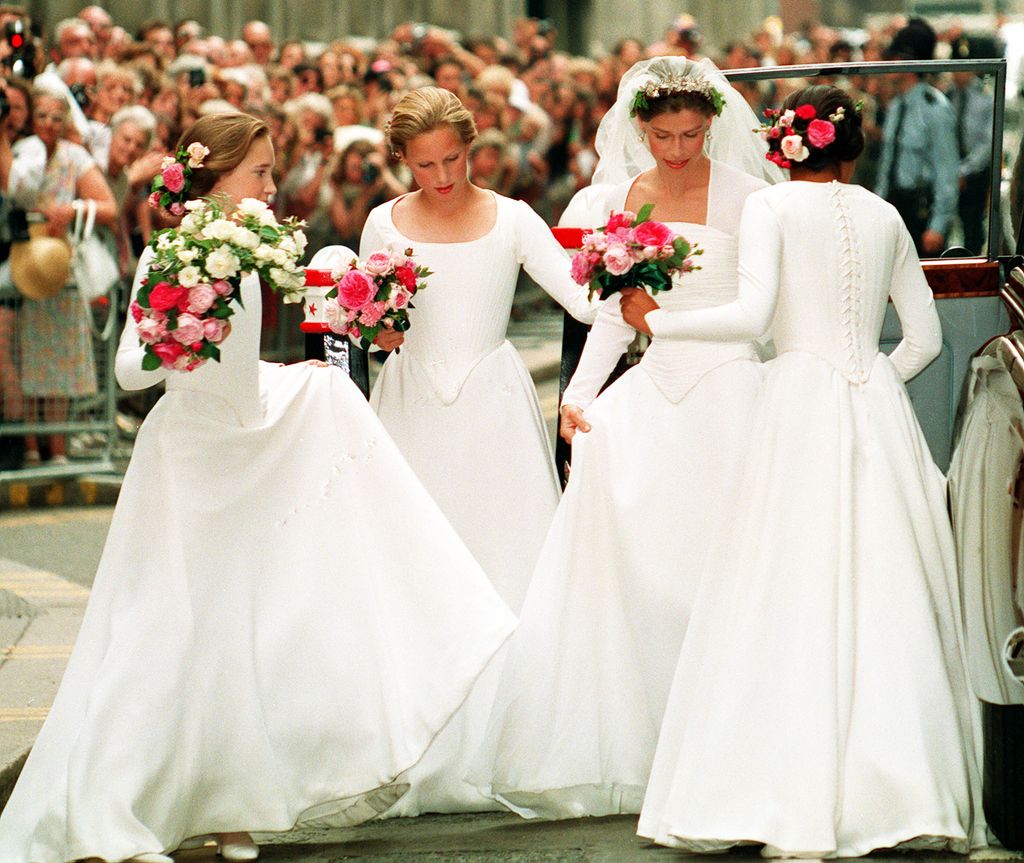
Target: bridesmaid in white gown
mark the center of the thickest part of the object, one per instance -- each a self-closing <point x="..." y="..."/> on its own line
<point x="458" y="399"/>
<point x="654" y="461"/>
<point x="260" y="647"/>
<point x="820" y="706"/>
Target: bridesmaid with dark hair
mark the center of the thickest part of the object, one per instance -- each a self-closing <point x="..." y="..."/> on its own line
<point x="821" y="706"/>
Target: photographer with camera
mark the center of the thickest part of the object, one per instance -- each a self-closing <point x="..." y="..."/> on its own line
<point x="360" y="181"/>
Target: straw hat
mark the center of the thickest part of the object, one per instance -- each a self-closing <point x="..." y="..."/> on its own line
<point x="40" y="267"/>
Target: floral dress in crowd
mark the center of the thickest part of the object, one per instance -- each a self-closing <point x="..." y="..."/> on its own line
<point x="56" y="351"/>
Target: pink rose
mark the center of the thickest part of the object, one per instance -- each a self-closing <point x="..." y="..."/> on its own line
<point x="167" y="296"/>
<point x="400" y="300"/>
<point x="617" y="260"/>
<point x="151" y="331"/>
<point x="774" y="132"/>
<point x="372" y="313"/>
<point x="616" y="221"/>
<point x="168" y="352"/>
<point x="354" y="332"/>
<point x="222" y="287"/>
<point x="200" y="298"/>
<point x="806" y="112"/>
<point x="154" y="200"/>
<point x="190" y="329"/>
<point x="215" y="330"/>
<point x="356" y="290"/>
<point x="582" y="271"/>
<point x="653" y="234"/>
<point x="821" y="133"/>
<point x="379" y="264"/>
<point x="174" y="177"/>
<point x="177" y="209"/>
<point x="136" y="311"/>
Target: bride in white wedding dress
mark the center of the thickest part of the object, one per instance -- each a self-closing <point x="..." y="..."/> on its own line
<point x="821" y="707"/>
<point x="261" y="646"/>
<point x="654" y="460"/>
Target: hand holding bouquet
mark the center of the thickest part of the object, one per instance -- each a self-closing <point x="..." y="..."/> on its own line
<point x="374" y="294"/>
<point x="186" y="299"/>
<point x="631" y="251"/>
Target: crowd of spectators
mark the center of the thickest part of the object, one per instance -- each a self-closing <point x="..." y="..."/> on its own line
<point x="537" y="108"/>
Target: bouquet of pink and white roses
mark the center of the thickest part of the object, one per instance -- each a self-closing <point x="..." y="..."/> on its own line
<point x="632" y="251"/>
<point x="374" y="294"/>
<point x="183" y="308"/>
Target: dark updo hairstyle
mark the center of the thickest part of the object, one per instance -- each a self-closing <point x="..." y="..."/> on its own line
<point x="670" y="103"/>
<point x="826" y="101"/>
<point x="229" y="137"/>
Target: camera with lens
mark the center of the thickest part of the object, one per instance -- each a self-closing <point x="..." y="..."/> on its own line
<point x="22" y="57"/>
<point x="370" y="171"/>
<point x="322" y="135"/>
<point x="196" y="77"/>
<point x="80" y="93"/>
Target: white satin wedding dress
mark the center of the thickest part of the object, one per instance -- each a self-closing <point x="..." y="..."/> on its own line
<point x="281" y="622"/>
<point x="575" y="723"/>
<point x="820" y="706"/>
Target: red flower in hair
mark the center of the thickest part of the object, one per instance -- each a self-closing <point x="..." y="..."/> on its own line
<point x="806" y="112"/>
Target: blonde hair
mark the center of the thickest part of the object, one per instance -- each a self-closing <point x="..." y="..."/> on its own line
<point x="425" y="109"/>
<point x="229" y="137"/>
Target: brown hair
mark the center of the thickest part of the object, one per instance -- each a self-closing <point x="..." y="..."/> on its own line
<point x="670" y="103"/>
<point x="425" y="109"/>
<point x="229" y="137"/>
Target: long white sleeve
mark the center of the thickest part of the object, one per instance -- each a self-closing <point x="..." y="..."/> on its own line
<point x="607" y="341"/>
<point x="548" y="264"/>
<point x="128" y="362"/>
<point x="749" y="315"/>
<point x="915" y="305"/>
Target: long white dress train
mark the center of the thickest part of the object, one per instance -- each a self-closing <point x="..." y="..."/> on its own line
<point x="459" y="402"/>
<point x="576" y="720"/>
<point x="281" y="622"/>
<point x="820" y="705"/>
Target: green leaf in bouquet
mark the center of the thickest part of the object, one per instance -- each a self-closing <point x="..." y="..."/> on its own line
<point x="210" y="351"/>
<point x="657" y="280"/>
<point x="644" y="214"/>
<point x="158" y="182"/>
<point x="221" y="311"/>
<point x="150" y="362"/>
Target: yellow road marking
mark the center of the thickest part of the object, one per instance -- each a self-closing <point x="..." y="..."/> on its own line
<point x="23" y="714"/>
<point x="36" y="651"/>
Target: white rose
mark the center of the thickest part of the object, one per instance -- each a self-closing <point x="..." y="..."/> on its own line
<point x="190" y="224"/>
<point x="300" y="241"/>
<point x="280" y="257"/>
<point x="251" y="207"/>
<point x="163" y="242"/>
<point x="222" y="263"/>
<point x="189" y="277"/>
<point x="220" y="229"/>
<point x="267" y="218"/>
<point x="244" y="238"/>
<point x="195" y="204"/>
<point x="287" y="244"/>
<point x="793" y="148"/>
<point x="187" y="256"/>
<point x="263" y="252"/>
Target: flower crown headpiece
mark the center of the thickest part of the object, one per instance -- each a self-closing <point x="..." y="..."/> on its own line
<point x="674" y="83"/>
<point x="171" y="186"/>
<point x="789" y="132"/>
